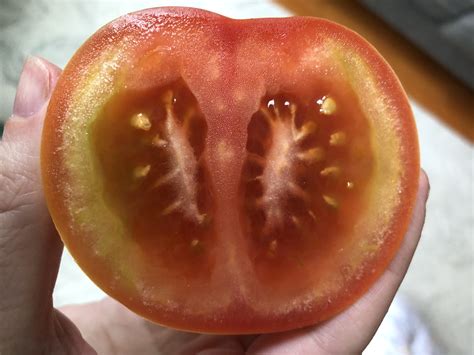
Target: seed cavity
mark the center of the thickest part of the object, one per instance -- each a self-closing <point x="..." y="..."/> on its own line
<point x="140" y="121"/>
<point x="284" y="151"/>
<point x="327" y="105"/>
<point x="298" y="173"/>
<point x="288" y="148"/>
<point x="337" y="139"/>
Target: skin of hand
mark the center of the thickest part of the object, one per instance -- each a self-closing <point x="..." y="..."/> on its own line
<point x="30" y="252"/>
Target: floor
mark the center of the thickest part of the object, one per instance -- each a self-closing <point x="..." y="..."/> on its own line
<point x="439" y="284"/>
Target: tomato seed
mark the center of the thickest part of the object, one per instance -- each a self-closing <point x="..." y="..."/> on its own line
<point x="328" y="105"/>
<point x="331" y="201"/>
<point x="140" y="121"/>
<point x="333" y="171"/>
<point x="308" y="128"/>
<point x="337" y="139"/>
<point x="141" y="171"/>
<point x="312" y="155"/>
<point x="157" y="141"/>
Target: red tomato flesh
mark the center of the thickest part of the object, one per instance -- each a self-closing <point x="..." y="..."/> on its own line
<point x="230" y="176"/>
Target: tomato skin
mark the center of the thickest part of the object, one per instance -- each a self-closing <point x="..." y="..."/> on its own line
<point x="229" y="66"/>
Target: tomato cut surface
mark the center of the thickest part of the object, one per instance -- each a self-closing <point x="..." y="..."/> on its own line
<point x="230" y="176"/>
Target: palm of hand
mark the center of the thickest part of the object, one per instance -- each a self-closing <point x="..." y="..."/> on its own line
<point x="30" y="252"/>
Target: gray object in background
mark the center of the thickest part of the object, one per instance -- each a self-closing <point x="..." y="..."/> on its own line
<point x="442" y="28"/>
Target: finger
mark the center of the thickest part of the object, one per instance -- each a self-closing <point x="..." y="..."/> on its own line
<point x="352" y="330"/>
<point x="29" y="247"/>
<point x="35" y="86"/>
<point x="111" y="331"/>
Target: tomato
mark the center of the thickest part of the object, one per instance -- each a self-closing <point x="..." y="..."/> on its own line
<point x="230" y="176"/>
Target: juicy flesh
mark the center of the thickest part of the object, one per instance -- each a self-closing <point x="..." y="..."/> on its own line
<point x="301" y="185"/>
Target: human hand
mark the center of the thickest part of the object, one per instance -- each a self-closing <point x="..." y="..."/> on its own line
<point x="30" y="252"/>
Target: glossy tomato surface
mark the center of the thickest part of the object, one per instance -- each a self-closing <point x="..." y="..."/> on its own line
<point x="230" y="176"/>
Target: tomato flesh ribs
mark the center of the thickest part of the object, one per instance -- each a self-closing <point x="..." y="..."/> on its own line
<point x="230" y="176"/>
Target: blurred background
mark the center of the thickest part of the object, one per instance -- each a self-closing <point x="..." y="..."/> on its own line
<point x="429" y="43"/>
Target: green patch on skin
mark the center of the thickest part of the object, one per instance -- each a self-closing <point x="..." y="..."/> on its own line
<point x="103" y="231"/>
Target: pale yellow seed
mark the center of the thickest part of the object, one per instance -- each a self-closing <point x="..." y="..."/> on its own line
<point x="338" y="138"/>
<point x="157" y="141"/>
<point x="298" y="191"/>
<point x="166" y="178"/>
<point x="333" y="171"/>
<point x="273" y="245"/>
<point x="140" y="121"/>
<point x="141" y="171"/>
<point x="172" y="207"/>
<point x="309" y="127"/>
<point x="313" y="154"/>
<point x="305" y="130"/>
<point x="296" y="221"/>
<point x="328" y="106"/>
<point x="350" y="185"/>
<point x="331" y="201"/>
<point x="194" y="243"/>
<point x="292" y="109"/>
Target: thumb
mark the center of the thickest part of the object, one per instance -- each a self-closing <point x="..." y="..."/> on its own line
<point x="30" y="249"/>
<point x="37" y="81"/>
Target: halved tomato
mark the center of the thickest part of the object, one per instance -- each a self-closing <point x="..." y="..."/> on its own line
<point x="230" y="176"/>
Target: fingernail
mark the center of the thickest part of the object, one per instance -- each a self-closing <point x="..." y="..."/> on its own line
<point x="428" y="184"/>
<point x="33" y="89"/>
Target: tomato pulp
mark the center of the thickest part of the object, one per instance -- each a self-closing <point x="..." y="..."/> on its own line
<point x="230" y="176"/>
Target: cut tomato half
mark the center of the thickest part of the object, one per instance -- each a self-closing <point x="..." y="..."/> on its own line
<point x="230" y="176"/>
